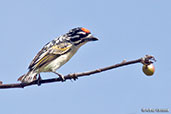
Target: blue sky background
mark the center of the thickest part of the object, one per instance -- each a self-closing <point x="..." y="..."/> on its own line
<point x="127" y="29"/>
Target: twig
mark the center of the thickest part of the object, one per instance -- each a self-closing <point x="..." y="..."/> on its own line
<point x="145" y="60"/>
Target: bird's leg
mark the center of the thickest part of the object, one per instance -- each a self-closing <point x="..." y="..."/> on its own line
<point x="39" y="80"/>
<point x="61" y="76"/>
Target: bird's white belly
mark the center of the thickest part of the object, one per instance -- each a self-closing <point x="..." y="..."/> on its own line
<point x="59" y="61"/>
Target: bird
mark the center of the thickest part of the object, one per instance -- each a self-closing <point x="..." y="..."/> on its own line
<point x="56" y="53"/>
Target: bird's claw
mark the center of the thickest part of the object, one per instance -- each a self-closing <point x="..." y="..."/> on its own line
<point x="61" y="76"/>
<point x="74" y="77"/>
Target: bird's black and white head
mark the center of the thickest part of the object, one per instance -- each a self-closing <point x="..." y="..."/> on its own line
<point x="79" y="36"/>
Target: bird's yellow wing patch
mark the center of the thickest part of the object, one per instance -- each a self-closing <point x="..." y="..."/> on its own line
<point x="44" y="58"/>
<point x="60" y="49"/>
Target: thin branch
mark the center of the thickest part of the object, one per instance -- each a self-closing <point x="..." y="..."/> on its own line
<point x="145" y="60"/>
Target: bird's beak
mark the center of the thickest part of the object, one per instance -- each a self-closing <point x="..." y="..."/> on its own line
<point x="91" y="38"/>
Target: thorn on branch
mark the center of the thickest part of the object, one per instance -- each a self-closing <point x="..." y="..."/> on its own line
<point x="124" y="61"/>
<point x="98" y="70"/>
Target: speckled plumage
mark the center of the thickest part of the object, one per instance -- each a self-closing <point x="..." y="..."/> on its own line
<point x="57" y="52"/>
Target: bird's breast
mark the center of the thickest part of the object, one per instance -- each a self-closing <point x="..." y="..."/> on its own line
<point x="59" y="61"/>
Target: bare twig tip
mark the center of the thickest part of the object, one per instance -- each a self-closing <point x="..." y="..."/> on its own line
<point x="148" y="59"/>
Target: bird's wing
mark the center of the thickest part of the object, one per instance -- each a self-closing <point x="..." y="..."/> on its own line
<point x="49" y="53"/>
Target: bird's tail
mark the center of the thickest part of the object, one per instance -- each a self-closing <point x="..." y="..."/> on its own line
<point x="29" y="77"/>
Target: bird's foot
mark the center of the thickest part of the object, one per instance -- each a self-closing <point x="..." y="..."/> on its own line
<point x="74" y="77"/>
<point x="61" y="76"/>
<point x="39" y="80"/>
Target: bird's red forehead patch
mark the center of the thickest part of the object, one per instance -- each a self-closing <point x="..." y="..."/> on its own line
<point x="85" y="30"/>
